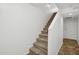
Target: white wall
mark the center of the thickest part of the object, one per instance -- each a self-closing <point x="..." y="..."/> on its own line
<point x="20" y="25"/>
<point x="55" y="35"/>
<point x="78" y="31"/>
<point x="70" y="28"/>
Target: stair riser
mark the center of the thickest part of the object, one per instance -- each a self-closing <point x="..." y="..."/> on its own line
<point x="48" y="24"/>
<point x="31" y="53"/>
<point x="44" y="50"/>
<point x="44" y="37"/>
<point x="36" y="52"/>
<point x="41" y="47"/>
<point x="44" y="32"/>
<point x="42" y="41"/>
<point x="45" y="28"/>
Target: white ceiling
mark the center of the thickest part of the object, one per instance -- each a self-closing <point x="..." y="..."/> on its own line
<point x="67" y="5"/>
<point x="46" y="7"/>
<point x="68" y="9"/>
<point x="59" y="5"/>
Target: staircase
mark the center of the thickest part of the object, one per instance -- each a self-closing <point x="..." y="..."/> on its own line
<point x="40" y="47"/>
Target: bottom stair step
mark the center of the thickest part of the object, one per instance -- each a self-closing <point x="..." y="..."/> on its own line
<point x="31" y="53"/>
<point x="45" y="51"/>
<point x="37" y="51"/>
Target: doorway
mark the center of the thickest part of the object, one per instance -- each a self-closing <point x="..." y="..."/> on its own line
<point x="70" y="27"/>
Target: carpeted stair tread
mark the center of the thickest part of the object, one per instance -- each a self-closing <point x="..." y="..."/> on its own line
<point x="43" y="35"/>
<point x="41" y="45"/>
<point x="42" y="40"/>
<point x="31" y="53"/>
<point x="44" y="32"/>
<point x="46" y="28"/>
<point x="44" y="50"/>
<point x="37" y="51"/>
